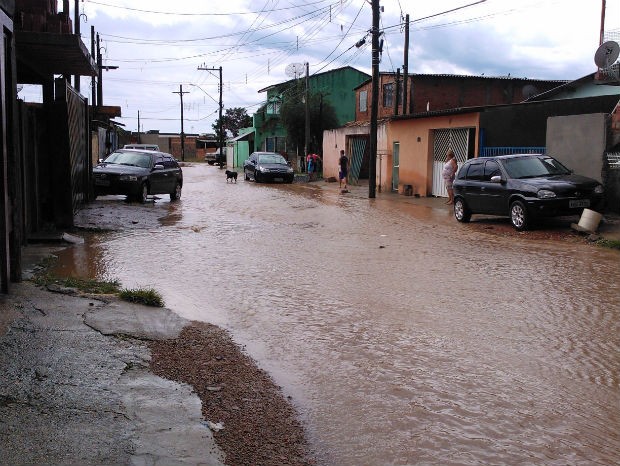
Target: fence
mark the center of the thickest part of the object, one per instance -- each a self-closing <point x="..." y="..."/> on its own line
<point x="492" y="151"/>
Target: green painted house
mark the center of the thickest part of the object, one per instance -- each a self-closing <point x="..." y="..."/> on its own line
<point x="336" y="86"/>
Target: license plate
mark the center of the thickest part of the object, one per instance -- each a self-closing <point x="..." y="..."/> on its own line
<point x="102" y="182"/>
<point x="579" y="203"/>
<point x="278" y="179"/>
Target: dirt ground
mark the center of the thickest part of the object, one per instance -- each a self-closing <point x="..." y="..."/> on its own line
<point x="259" y="425"/>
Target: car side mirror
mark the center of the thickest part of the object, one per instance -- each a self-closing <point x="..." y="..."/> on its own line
<point x="496" y="179"/>
<point x="158" y="166"/>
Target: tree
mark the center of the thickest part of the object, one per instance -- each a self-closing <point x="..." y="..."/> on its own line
<point x="233" y="120"/>
<point x="293" y="114"/>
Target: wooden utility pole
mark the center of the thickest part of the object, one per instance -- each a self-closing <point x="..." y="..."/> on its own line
<point x="180" y="92"/>
<point x="406" y="68"/>
<point x="602" y="36"/>
<point x="221" y="123"/>
<point x="307" y="127"/>
<point x="372" y="169"/>
<point x="76" y="26"/>
<point x="94" y="80"/>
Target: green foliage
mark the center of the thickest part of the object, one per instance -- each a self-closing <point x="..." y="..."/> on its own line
<point x="293" y="115"/>
<point x="609" y="243"/>
<point x="147" y="296"/>
<point x="233" y="120"/>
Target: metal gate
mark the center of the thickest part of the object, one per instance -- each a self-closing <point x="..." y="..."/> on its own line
<point x="444" y="139"/>
<point x="359" y="159"/>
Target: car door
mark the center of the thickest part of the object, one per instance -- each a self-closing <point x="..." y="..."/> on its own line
<point x="471" y="188"/>
<point x="158" y="175"/>
<point x="170" y="172"/>
<point x="492" y="192"/>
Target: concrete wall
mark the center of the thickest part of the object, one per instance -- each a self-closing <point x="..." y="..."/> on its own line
<point x="579" y="142"/>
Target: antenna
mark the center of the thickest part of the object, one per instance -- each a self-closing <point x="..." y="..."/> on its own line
<point x="295" y="70"/>
<point x="607" y="54"/>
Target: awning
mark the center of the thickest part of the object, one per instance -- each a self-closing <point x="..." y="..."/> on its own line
<point x="40" y="55"/>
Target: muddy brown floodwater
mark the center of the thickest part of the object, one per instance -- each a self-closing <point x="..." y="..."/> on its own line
<point x="403" y="337"/>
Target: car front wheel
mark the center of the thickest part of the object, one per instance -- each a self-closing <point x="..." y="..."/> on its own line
<point x="142" y="195"/>
<point x="519" y="216"/>
<point x="461" y="212"/>
<point x="176" y="194"/>
<point x="256" y="177"/>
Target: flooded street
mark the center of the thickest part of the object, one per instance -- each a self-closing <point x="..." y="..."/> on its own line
<point x="403" y="337"/>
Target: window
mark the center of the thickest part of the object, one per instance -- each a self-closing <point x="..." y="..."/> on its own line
<point x="474" y="172"/>
<point x="388" y="95"/>
<point x="273" y="106"/>
<point x="491" y="168"/>
<point x="275" y="144"/>
<point x="363" y="101"/>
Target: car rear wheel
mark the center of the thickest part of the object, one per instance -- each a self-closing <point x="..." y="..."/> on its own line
<point x="519" y="217"/>
<point x="176" y="194"/>
<point x="461" y="212"/>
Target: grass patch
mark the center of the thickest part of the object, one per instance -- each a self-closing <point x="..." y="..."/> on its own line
<point x="147" y="296"/>
<point x="609" y="243"/>
<point x="86" y="285"/>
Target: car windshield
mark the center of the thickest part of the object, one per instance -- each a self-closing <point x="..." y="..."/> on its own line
<point x="532" y="167"/>
<point x="271" y="158"/>
<point x="134" y="159"/>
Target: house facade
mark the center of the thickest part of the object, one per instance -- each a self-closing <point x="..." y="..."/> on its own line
<point x="435" y="92"/>
<point x="411" y="148"/>
<point x="336" y="88"/>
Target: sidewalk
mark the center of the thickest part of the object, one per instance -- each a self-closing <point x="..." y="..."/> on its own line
<point x="73" y="392"/>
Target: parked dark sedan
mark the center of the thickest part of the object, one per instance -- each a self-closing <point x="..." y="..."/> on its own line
<point x="523" y="187"/>
<point x="267" y="166"/>
<point x="137" y="174"/>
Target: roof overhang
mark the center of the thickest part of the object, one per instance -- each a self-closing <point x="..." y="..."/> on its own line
<point x="41" y="55"/>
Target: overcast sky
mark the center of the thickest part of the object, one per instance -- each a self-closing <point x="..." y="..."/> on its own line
<point x="159" y="45"/>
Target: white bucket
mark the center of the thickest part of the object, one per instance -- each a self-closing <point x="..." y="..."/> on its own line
<point x="589" y="220"/>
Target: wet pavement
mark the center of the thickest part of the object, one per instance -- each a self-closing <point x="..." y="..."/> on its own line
<point x="71" y="393"/>
<point x="402" y="336"/>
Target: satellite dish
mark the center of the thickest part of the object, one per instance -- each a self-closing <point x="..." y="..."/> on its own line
<point x="607" y="54"/>
<point x="295" y="70"/>
<point x="528" y="91"/>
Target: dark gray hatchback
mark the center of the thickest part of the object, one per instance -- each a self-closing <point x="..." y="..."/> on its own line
<point x="137" y="174"/>
<point x="523" y="187"/>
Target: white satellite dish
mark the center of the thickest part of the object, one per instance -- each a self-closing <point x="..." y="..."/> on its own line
<point x="295" y="70"/>
<point x="607" y="54"/>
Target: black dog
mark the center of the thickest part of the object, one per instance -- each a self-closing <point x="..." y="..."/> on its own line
<point x="232" y="176"/>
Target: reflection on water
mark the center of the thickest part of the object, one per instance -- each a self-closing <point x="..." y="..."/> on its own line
<point x="404" y="338"/>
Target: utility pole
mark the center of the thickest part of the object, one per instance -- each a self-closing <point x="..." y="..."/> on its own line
<point x="100" y="69"/>
<point x="372" y="169"/>
<point x="221" y="123"/>
<point x="76" y="25"/>
<point x="180" y="92"/>
<point x="406" y="67"/>
<point x="307" y="127"/>
<point x="93" y="80"/>
<point x="139" y="136"/>
<point x="602" y="37"/>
